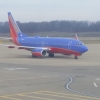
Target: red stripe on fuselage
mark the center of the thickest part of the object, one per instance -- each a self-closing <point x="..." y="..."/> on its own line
<point x="64" y="51"/>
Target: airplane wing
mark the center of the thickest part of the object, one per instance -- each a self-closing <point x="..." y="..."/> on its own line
<point x="25" y="47"/>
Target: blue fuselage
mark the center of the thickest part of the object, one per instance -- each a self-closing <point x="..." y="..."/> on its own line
<point x="67" y="44"/>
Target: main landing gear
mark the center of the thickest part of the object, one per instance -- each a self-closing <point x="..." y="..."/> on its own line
<point x="75" y="57"/>
<point x="51" y="54"/>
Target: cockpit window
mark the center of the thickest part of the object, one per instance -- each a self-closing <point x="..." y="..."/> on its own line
<point x="79" y="44"/>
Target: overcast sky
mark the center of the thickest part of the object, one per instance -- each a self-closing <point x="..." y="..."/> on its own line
<point x="48" y="10"/>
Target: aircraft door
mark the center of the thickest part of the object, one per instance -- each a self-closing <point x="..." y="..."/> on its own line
<point x="69" y="44"/>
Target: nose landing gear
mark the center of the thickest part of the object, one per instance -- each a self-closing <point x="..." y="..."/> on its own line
<point x="75" y="57"/>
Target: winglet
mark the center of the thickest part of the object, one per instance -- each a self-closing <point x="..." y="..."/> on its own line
<point x="76" y="37"/>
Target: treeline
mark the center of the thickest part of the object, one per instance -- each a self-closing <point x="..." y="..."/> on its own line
<point x="58" y="26"/>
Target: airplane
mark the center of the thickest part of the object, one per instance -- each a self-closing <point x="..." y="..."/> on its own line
<point x="41" y="46"/>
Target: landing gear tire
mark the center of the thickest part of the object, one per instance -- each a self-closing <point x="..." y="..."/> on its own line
<point x="76" y="57"/>
<point x="51" y="54"/>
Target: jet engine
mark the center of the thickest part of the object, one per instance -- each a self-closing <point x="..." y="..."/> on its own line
<point x="39" y="53"/>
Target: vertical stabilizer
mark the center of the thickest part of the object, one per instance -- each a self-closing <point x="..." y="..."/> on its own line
<point x="14" y="29"/>
<point x="15" y="32"/>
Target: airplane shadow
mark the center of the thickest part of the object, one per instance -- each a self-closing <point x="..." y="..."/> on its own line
<point x="46" y="57"/>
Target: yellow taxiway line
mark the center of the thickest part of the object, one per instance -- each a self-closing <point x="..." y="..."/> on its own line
<point x="50" y="94"/>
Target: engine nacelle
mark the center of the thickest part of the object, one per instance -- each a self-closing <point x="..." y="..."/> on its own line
<point x="39" y="53"/>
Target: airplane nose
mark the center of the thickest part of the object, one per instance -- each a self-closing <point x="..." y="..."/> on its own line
<point x="85" y="49"/>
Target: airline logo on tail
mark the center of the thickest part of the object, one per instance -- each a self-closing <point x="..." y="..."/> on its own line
<point x="14" y="29"/>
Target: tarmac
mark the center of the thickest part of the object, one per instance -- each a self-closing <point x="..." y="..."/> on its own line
<point x="60" y="78"/>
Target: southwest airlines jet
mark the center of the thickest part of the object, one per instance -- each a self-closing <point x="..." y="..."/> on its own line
<point x="40" y="46"/>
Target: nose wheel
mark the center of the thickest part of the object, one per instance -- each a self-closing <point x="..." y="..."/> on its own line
<point x="75" y="57"/>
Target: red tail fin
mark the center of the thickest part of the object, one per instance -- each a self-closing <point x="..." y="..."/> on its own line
<point x="14" y="29"/>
